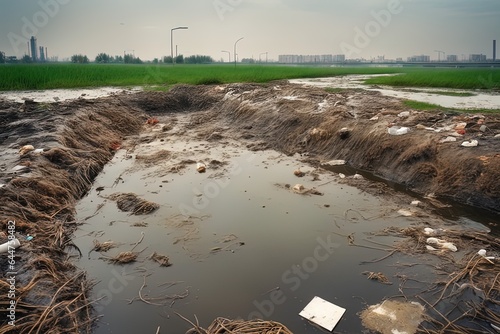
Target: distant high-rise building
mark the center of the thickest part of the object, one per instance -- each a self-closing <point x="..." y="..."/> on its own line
<point x="419" y="59"/>
<point x="34" y="51"/>
<point x="476" y="58"/>
<point x="452" y="58"/>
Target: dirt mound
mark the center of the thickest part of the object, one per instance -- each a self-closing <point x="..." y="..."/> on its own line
<point x="313" y="121"/>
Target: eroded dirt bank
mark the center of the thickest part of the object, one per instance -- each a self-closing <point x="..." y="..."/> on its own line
<point x="353" y="126"/>
<point x="39" y="189"/>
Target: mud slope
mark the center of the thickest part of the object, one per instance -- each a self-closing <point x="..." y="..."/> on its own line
<point x="38" y="197"/>
<point x="353" y="125"/>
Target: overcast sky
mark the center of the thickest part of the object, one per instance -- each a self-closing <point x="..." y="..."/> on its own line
<point x="357" y="28"/>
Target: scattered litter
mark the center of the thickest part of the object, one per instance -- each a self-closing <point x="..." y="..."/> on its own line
<point x="2" y="185"/>
<point x="7" y="246"/>
<point x="298" y="187"/>
<point x="434" y="232"/>
<point x="19" y="168"/>
<point x="430" y="248"/>
<point x="200" y="167"/>
<point x="405" y="213"/>
<point x="404" y="114"/>
<point x="397" y="130"/>
<point x="342" y="176"/>
<point x="29" y="237"/>
<point x="152" y="121"/>
<point x="482" y="252"/>
<point x="448" y="139"/>
<point x="298" y="173"/>
<point x="416" y="203"/>
<point x="374" y="118"/>
<point x="391" y="317"/>
<point x="471" y="143"/>
<point x="334" y="163"/>
<point x="358" y="176"/>
<point x="497" y="136"/>
<point x="483" y="128"/>
<point x="460" y="126"/>
<point x="26" y="149"/>
<point x="130" y="202"/>
<point x="323" y="313"/>
<point x="442" y="244"/>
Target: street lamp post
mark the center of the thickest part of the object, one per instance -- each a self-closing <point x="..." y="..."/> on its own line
<point x="172" y="42"/>
<point x="229" y="55"/>
<point x="235" y="50"/>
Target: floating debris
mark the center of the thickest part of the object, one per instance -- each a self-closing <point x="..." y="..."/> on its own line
<point x="163" y="260"/>
<point x="392" y="317"/>
<point x="130" y="202"/>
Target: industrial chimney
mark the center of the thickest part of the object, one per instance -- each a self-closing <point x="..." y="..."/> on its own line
<point x="494" y="50"/>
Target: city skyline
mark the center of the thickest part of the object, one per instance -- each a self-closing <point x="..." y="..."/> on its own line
<point x="365" y="29"/>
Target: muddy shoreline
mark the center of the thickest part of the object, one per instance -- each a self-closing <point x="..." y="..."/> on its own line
<point x="79" y="137"/>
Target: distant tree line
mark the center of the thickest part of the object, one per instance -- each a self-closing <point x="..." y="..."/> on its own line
<point x="2" y="57"/>
<point x="79" y="59"/>
<point x="196" y="59"/>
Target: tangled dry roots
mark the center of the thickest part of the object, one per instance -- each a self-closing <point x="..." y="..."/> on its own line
<point x="227" y="326"/>
<point x="50" y="293"/>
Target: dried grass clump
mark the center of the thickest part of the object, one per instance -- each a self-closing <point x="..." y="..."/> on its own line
<point x="103" y="246"/>
<point x="123" y="257"/>
<point x="155" y="157"/>
<point x="130" y="202"/>
<point x="227" y="326"/>
<point x="163" y="260"/>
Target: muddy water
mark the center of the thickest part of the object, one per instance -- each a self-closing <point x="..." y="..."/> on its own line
<point x="478" y="100"/>
<point x="55" y="95"/>
<point x="241" y="243"/>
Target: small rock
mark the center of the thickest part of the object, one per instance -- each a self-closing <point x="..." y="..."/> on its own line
<point x="200" y="167"/>
<point x="483" y="128"/>
<point x="25" y="149"/>
<point x="344" y="133"/>
<point x="298" y="173"/>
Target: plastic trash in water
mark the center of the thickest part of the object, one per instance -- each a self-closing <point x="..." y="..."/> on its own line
<point x="323" y="313"/>
<point x="442" y="244"/>
<point x="397" y="130"/>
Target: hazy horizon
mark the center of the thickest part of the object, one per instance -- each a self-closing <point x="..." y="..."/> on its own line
<point x="358" y="28"/>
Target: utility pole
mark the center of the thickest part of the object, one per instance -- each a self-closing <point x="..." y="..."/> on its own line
<point x="172" y="42"/>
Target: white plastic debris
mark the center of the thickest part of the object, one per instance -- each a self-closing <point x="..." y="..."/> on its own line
<point x="358" y="176"/>
<point x="482" y="252"/>
<point x="342" y="176"/>
<point x="397" y="130"/>
<point x="483" y="128"/>
<point x="428" y="231"/>
<point x="323" y="313"/>
<point x="7" y="246"/>
<point x="334" y="163"/>
<point x="443" y="244"/>
<point x="448" y="139"/>
<point x="471" y="143"/>
<point x="416" y="203"/>
<point x="404" y="114"/>
<point x="405" y="213"/>
<point x="298" y="187"/>
<point x="430" y="248"/>
<point x="38" y="151"/>
<point x="374" y="118"/>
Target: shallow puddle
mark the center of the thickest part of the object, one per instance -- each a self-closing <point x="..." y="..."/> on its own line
<point x="241" y="241"/>
<point x="478" y="100"/>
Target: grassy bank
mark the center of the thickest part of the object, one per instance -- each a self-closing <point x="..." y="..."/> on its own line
<point x="51" y="76"/>
<point x="25" y="77"/>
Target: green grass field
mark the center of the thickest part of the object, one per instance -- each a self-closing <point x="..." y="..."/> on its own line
<point x="51" y="76"/>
